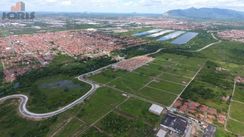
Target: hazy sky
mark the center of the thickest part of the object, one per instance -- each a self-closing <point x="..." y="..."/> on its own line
<point x="125" y="6"/>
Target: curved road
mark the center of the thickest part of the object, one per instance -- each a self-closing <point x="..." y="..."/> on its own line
<point x="24" y="99"/>
<point x="27" y="114"/>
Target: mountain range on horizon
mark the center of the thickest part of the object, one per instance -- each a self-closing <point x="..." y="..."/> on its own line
<point x="206" y="13"/>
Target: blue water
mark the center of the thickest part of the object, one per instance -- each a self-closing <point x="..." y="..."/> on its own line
<point x="185" y="38"/>
<point x="171" y="36"/>
<point x="147" y="32"/>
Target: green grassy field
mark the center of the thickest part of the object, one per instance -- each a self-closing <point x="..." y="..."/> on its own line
<point x="159" y="81"/>
<point x="71" y="128"/>
<point x="120" y="126"/>
<point x="239" y="93"/>
<point x="157" y="95"/>
<point x="103" y="101"/>
<point x="14" y="126"/>
<point x="235" y="127"/>
<point x="93" y="132"/>
<point x="237" y="110"/>
<point x="50" y="93"/>
<point x="139" y="110"/>
<point x="210" y="86"/>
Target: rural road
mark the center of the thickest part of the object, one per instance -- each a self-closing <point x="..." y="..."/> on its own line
<point x="27" y="114"/>
<point x="24" y="99"/>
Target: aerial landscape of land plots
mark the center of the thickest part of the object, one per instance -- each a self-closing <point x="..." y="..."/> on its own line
<point x="127" y="80"/>
<point x="160" y="81"/>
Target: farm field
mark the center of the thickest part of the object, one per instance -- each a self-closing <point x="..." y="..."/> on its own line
<point x="102" y="102"/>
<point x="239" y="93"/>
<point x="159" y="81"/>
<point x="236" y="120"/>
<point x="120" y="126"/>
<point x="236" y="111"/>
<point x="235" y="127"/>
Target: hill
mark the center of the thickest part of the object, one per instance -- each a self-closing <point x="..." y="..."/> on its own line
<point x="207" y="13"/>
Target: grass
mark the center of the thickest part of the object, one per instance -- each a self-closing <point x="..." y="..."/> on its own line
<point x="73" y="126"/>
<point x="157" y="96"/>
<point x="120" y="126"/>
<point x="237" y="110"/>
<point x="239" y="93"/>
<point x="168" y="86"/>
<point x="210" y="86"/>
<point x="235" y="127"/>
<point x="175" y="78"/>
<point x="107" y="75"/>
<point x="220" y="132"/>
<point x="204" y="38"/>
<point x="93" y="132"/>
<point x="227" y="51"/>
<point x="103" y="101"/>
<point x="139" y="110"/>
<point x="46" y="99"/>
<point x="13" y="125"/>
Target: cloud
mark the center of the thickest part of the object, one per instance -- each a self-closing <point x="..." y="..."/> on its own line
<point x="150" y="6"/>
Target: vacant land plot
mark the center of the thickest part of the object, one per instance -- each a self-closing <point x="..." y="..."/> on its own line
<point x="175" y="78"/>
<point x="162" y="97"/>
<point x="93" y="132"/>
<point x="235" y="127"/>
<point x="120" y="126"/>
<point x="107" y="75"/>
<point x="168" y="86"/>
<point x="13" y="125"/>
<point x="237" y="110"/>
<point x="73" y="126"/>
<point x="139" y="110"/>
<point x="159" y="81"/>
<point x="239" y="93"/>
<point x="102" y="102"/>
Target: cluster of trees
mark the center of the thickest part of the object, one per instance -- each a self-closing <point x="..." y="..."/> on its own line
<point x="219" y="78"/>
<point x="62" y="64"/>
<point x="120" y="126"/>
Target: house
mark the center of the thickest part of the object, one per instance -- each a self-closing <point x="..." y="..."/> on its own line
<point x="156" y="109"/>
<point x="161" y="133"/>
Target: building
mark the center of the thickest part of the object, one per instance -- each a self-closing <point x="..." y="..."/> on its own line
<point x="156" y="109"/>
<point x="161" y="133"/>
<point x="18" y="7"/>
<point x="175" y="123"/>
<point x="210" y="131"/>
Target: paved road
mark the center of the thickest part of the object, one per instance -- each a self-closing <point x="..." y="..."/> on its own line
<point x="24" y="99"/>
<point x="27" y="114"/>
<point x="209" y="45"/>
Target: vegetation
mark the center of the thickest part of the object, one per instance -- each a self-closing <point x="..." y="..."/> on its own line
<point x="50" y="93"/>
<point x="239" y="93"/>
<point x="14" y="126"/>
<point x="235" y="127"/>
<point x="120" y="126"/>
<point x="204" y="38"/>
<point x="210" y="86"/>
<point x="61" y="64"/>
<point x="236" y="111"/>
<point x="138" y="110"/>
<point x="103" y="101"/>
